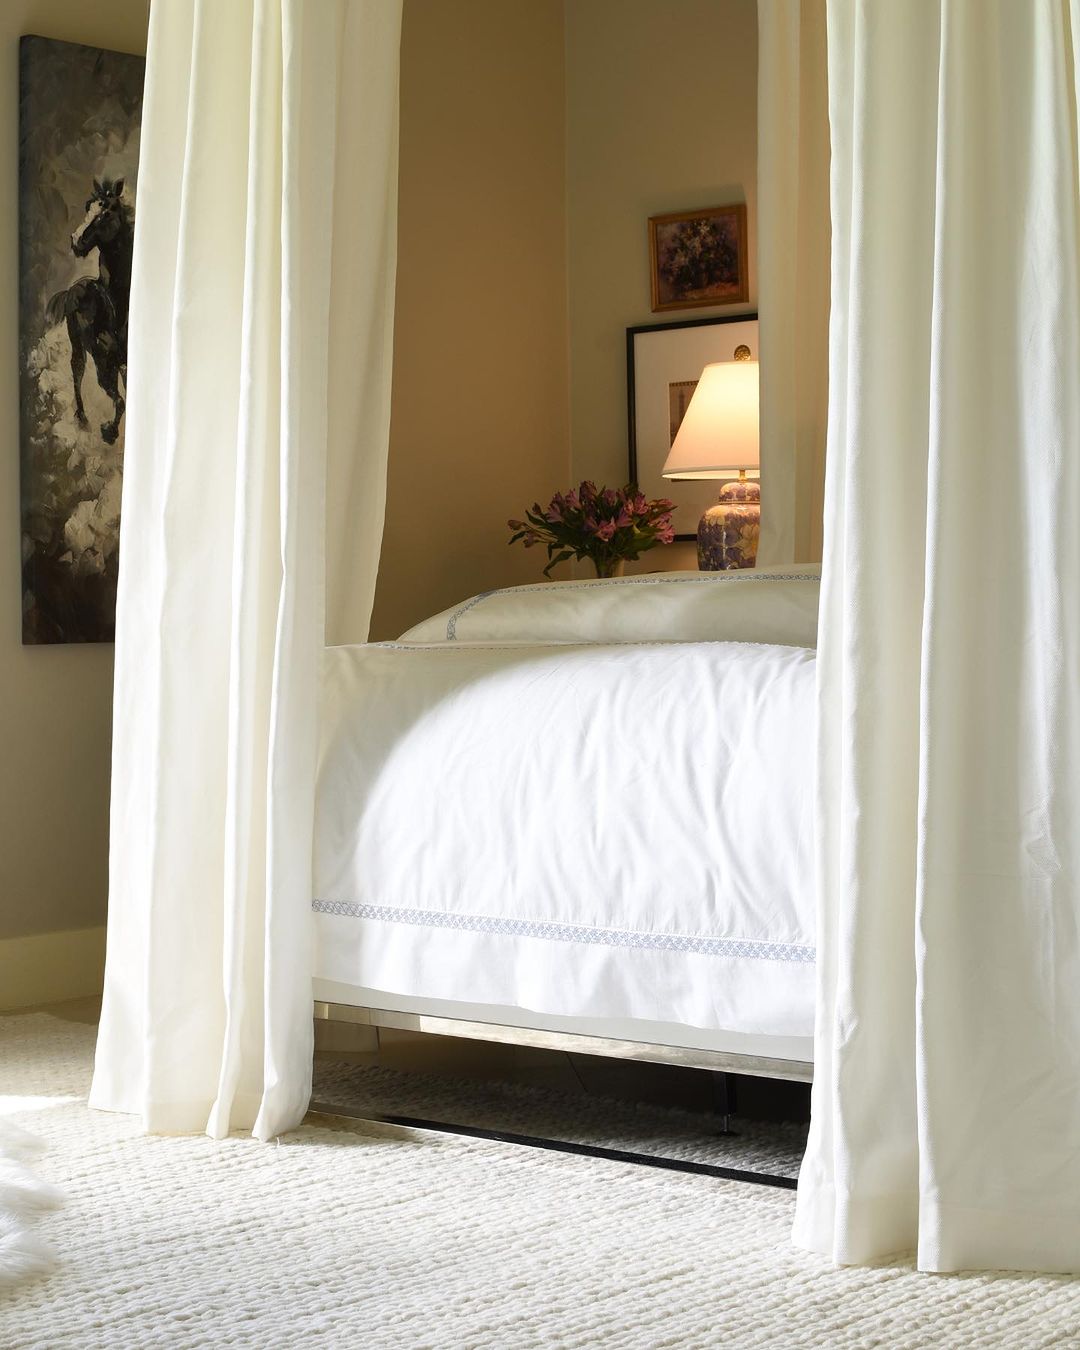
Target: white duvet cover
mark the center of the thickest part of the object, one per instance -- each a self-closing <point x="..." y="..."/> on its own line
<point x="616" y="831"/>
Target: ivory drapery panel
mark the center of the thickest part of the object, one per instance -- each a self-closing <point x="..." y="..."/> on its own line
<point x="260" y="338"/>
<point x="946" y="1105"/>
<point x="793" y="276"/>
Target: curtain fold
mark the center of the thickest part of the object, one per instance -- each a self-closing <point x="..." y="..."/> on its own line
<point x="264" y="245"/>
<point x="946" y="1104"/>
<point x="793" y="276"/>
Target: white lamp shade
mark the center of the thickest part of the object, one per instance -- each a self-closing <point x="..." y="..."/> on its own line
<point x="718" y="436"/>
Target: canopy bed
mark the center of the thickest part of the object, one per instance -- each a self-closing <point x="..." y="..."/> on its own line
<point x="579" y="810"/>
<point x="929" y="936"/>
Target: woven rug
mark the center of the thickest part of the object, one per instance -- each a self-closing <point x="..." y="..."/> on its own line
<point x="371" y="1238"/>
<point x="579" y="1118"/>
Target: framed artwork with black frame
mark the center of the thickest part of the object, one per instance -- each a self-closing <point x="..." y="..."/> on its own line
<point x="663" y="364"/>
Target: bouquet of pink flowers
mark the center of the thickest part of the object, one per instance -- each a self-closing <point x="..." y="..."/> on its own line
<point x="608" y="526"/>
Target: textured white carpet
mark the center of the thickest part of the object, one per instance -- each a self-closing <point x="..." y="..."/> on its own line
<point x="580" y="1117"/>
<point x="343" y="1240"/>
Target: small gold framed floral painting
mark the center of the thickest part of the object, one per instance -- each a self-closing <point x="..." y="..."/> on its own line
<point x="699" y="258"/>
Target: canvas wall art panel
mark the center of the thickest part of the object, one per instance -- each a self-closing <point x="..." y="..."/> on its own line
<point x="79" y="119"/>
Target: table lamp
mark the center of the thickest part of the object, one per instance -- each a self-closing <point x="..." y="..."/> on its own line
<point x="718" y="438"/>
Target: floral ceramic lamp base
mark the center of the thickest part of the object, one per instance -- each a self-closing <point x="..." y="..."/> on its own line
<point x="727" y="535"/>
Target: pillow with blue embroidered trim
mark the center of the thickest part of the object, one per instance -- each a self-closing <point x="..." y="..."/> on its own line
<point x="768" y="604"/>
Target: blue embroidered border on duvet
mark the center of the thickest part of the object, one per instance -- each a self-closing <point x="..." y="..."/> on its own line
<point x="746" y="948"/>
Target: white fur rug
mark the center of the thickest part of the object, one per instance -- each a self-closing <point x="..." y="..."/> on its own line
<point x="23" y="1199"/>
<point x="372" y="1240"/>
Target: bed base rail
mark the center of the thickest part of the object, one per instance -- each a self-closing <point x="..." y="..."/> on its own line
<point x="719" y="1061"/>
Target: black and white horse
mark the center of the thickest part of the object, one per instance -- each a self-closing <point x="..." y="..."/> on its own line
<point x="95" y="309"/>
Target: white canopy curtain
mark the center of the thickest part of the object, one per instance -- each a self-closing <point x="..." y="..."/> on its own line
<point x="946" y="1107"/>
<point x="793" y="276"/>
<point x="260" y="332"/>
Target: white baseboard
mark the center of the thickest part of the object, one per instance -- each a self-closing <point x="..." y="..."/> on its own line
<point x="51" y="967"/>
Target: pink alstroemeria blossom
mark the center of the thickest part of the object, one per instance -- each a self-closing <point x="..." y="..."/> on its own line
<point x="607" y="525"/>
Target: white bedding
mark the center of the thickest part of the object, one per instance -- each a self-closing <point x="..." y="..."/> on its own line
<point x="613" y="831"/>
<point x="767" y="604"/>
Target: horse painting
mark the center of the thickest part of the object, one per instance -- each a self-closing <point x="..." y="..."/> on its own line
<point x="80" y="115"/>
<point x="95" y="309"/>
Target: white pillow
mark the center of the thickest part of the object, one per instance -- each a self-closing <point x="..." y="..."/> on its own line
<point x="769" y="604"/>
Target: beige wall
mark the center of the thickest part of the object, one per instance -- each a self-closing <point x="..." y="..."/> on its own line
<point x="515" y="138"/>
<point x="54" y="701"/>
<point x="480" y="406"/>
<point x="661" y="100"/>
<point x="520" y="128"/>
<point x="480" y="411"/>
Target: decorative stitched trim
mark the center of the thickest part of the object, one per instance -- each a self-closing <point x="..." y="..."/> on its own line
<point x="440" y="648"/>
<point x="451" y="623"/>
<point x="688" y="580"/>
<point x="746" y="948"/>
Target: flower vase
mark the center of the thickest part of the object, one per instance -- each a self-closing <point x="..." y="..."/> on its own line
<point x="609" y="567"/>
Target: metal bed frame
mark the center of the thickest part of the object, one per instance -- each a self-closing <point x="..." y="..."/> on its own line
<point x="688" y="1057"/>
<point x="718" y="1061"/>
